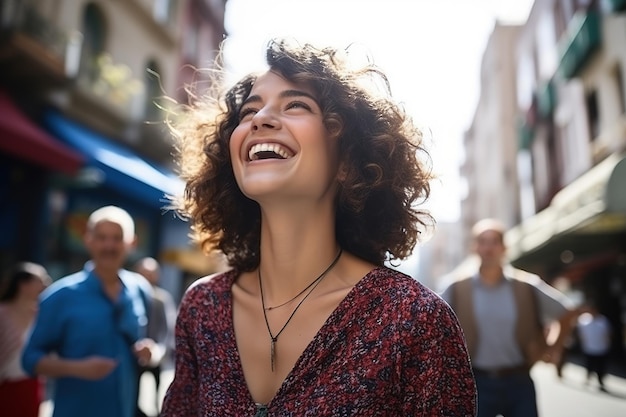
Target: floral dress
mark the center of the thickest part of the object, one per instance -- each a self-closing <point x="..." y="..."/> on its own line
<point x="392" y="347"/>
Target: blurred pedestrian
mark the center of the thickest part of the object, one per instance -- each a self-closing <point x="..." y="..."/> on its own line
<point x="569" y="346"/>
<point x="306" y="178"/>
<point x="594" y="333"/>
<point x="161" y="321"/>
<point x="88" y="334"/>
<point x="20" y="394"/>
<point x="502" y="311"/>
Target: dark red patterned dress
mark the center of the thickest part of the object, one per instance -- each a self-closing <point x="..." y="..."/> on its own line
<point x="391" y="348"/>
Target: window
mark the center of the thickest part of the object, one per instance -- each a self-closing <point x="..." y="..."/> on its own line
<point x="591" y="102"/>
<point x="619" y="80"/>
<point x="94" y="34"/>
<point x="554" y="168"/>
<point x="525" y="175"/>
<point x="560" y="19"/>
<point x="163" y="10"/>
<point x="584" y="4"/>
<point x="152" y="79"/>
<point x="525" y="79"/>
<point x="547" y="54"/>
<point x="192" y="40"/>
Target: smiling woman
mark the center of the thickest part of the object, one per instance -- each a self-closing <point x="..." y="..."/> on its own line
<point x="384" y="27"/>
<point x="308" y="177"/>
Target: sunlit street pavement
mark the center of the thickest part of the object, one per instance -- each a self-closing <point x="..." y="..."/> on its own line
<point x="571" y="396"/>
<point x="146" y="399"/>
<point x="566" y="397"/>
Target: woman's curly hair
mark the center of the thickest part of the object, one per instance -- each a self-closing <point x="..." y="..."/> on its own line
<point x="382" y="182"/>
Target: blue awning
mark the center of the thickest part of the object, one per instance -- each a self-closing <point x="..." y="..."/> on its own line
<point x="121" y="168"/>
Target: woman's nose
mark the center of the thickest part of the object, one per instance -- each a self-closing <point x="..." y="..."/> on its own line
<point x="265" y="118"/>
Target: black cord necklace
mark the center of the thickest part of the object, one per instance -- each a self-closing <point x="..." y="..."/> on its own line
<point x="313" y="285"/>
<point x="297" y="295"/>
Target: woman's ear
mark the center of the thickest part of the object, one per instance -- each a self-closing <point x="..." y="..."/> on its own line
<point x="334" y="127"/>
<point x="342" y="172"/>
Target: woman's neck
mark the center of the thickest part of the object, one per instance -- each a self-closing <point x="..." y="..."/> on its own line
<point x="294" y="251"/>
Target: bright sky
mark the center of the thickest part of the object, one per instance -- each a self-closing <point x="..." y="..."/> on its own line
<point x="430" y="50"/>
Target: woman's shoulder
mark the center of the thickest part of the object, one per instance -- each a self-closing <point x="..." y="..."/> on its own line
<point x="400" y="288"/>
<point x="402" y="303"/>
<point x="390" y="279"/>
<point x="215" y="284"/>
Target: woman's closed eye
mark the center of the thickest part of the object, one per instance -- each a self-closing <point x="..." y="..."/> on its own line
<point x="247" y="112"/>
<point x="298" y="105"/>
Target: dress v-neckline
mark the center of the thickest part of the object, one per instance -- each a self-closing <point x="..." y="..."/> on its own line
<point x="338" y="313"/>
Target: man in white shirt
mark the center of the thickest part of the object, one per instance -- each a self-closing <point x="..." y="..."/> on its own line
<point x="594" y="331"/>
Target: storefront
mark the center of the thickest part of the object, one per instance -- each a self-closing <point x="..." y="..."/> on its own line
<point x="586" y="219"/>
<point x="581" y="239"/>
<point x="114" y="174"/>
<point x="29" y="158"/>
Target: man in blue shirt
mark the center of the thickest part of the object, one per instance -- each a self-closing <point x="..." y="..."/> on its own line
<point x="90" y="327"/>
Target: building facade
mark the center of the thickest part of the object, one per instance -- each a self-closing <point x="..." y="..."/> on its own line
<point x="571" y="99"/>
<point x="92" y="83"/>
<point x="557" y="152"/>
<point x="490" y="166"/>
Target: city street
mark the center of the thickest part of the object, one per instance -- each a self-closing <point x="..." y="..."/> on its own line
<point x="568" y="397"/>
<point x="571" y="397"/>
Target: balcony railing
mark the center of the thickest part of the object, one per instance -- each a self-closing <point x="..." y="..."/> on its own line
<point x="34" y="46"/>
<point x="112" y="84"/>
<point x="582" y="38"/>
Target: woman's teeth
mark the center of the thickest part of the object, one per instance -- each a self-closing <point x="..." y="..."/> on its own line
<point x="268" y="151"/>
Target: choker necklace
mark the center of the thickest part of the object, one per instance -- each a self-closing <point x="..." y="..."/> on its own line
<point x="312" y="286"/>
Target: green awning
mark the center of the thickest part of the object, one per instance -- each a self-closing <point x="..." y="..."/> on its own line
<point x="583" y="37"/>
<point x="585" y="218"/>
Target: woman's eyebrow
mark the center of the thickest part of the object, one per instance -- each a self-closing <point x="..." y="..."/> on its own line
<point x="296" y="93"/>
<point x="252" y="99"/>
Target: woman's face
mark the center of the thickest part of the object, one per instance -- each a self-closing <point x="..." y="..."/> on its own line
<point x="281" y="146"/>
